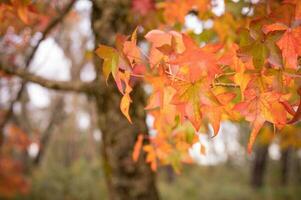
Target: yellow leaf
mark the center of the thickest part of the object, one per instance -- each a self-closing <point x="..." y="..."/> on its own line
<point x="125" y="106"/>
<point x="137" y="147"/>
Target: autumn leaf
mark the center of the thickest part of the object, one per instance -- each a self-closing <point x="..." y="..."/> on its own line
<point x="200" y="62"/>
<point x="137" y="147"/>
<point x="111" y="60"/>
<point x="23" y="14"/>
<point x="297" y="4"/>
<point x="290" y="46"/>
<point x="289" y="43"/>
<point x="240" y="77"/>
<point x="274" y="27"/>
<point x="159" y="39"/>
<point x="22" y="8"/>
<point x="126" y="99"/>
<point x="253" y="44"/>
<point x="131" y="51"/>
<point x="216" y="106"/>
<point x="189" y="95"/>
<point x="259" y="107"/>
<point x="151" y="157"/>
<point x="296" y="114"/>
<point x="125" y="106"/>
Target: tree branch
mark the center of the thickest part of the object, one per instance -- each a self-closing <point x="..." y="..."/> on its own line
<point x="73" y="86"/>
<point x="47" y="30"/>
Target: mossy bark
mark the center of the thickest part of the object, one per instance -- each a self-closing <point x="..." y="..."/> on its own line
<point x="125" y="178"/>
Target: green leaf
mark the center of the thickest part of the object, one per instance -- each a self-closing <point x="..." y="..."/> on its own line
<point x="260" y="53"/>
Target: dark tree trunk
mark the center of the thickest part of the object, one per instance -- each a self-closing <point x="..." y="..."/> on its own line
<point x="125" y="179"/>
<point x="297" y="168"/>
<point x="259" y="166"/>
<point x="285" y="164"/>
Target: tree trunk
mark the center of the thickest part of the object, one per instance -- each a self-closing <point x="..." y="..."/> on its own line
<point x="259" y="166"/>
<point x="125" y="179"/>
<point x="285" y="164"/>
<point x="297" y="168"/>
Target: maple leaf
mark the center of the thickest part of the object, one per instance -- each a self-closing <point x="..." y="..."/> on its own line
<point x="189" y="97"/>
<point x="125" y="106"/>
<point x="195" y="67"/>
<point x="155" y="100"/>
<point x="195" y="101"/>
<point x="22" y="8"/>
<point x="290" y="46"/>
<point x="130" y="50"/>
<point x="297" y="4"/>
<point x="111" y="60"/>
<point x="127" y="58"/>
<point x="200" y="62"/>
<point x="111" y="66"/>
<point x="252" y="43"/>
<point x="126" y="99"/>
<point x="259" y="107"/>
<point x="159" y="84"/>
<point x="151" y="156"/>
<point x="159" y="38"/>
<point x="289" y="43"/>
<point x="231" y="59"/>
<point x="215" y="107"/>
<point x="296" y="114"/>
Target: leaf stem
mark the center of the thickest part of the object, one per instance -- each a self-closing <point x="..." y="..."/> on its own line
<point x="232" y="85"/>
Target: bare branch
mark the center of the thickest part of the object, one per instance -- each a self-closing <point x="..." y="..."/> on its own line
<point x="47" y="30"/>
<point x="73" y="86"/>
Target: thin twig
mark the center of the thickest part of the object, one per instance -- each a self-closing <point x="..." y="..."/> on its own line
<point x="292" y="75"/>
<point x="47" y="30"/>
<point x="73" y="86"/>
<point x="174" y="76"/>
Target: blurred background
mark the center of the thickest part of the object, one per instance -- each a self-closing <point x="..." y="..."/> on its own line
<point x="51" y="142"/>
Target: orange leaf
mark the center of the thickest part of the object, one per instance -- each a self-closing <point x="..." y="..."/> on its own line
<point x="125" y="106"/>
<point x="23" y="13"/>
<point x="137" y="147"/>
<point x="290" y="45"/>
<point x="256" y="126"/>
<point x="259" y="107"/>
<point x="151" y="156"/>
<point x="274" y="27"/>
<point x="297" y="114"/>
